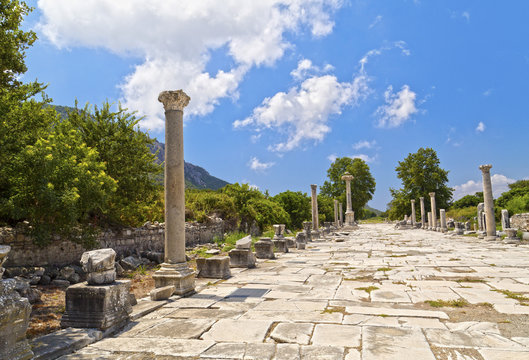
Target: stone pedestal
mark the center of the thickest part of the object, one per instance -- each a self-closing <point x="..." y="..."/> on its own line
<point x="174" y="270"/>
<point x="307" y="225"/>
<point x="301" y="240"/>
<point x="512" y="237"/>
<point x="97" y="306"/>
<point x="264" y="249"/>
<point x="216" y="267"/>
<point x="505" y="223"/>
<point x="242" y="258"/>
<point x="280" y="245"/>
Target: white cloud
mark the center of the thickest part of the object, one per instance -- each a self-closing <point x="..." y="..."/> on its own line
<point x="306" y="68"/>
<point x="174" y="39"/>
<point x="364" y="144"/>
<point x="398" y="109"/>
<point x="466" y="15"/>
<point x="332" y="157"/>
<point x="257" y="165"/>
<point x="303" y="112"/>
<point x="487" y="92"/>
<point x="375" y="52"/>
<point x="366" y="158"/>
<point x="481" y="127"/>
<point x="378" y="19"/>
<point x="499" y="185"/>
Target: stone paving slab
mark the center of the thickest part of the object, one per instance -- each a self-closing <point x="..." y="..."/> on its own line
<point x="321" y="303"/>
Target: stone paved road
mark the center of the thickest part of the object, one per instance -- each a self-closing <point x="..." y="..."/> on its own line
<point x="356" y="296"/>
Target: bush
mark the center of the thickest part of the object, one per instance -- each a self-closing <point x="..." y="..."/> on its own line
<point x="462" y="215"/>
<point x="297" y="205"/>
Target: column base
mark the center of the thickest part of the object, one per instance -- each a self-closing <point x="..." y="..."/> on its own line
<point x="350" y="219"/>
<point x="491" y="238"/>
<point x="180" y="275"/>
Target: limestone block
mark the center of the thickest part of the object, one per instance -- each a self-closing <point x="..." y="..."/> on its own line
<point x="300" y="237"/>
<point x="264" y="249"/>
<point x="512" y="237"/>
<point x="216" y="267"/>
<point x="162" y="293"/>
<point x="98" y="260"/>
<point x="242" y="258"/>
<point x="4" y="249"/>
<point x="291" y="243"/>
<point x="244" y="243"/>
<point x="300" y="245"/>
<point x="130" y="263"/>
<point x="101" y="307"/>
<point x="101" y="277"/>
<point x="520" y="222"/>
<point x="280" y="245"/>
<point x="14" y="321"/>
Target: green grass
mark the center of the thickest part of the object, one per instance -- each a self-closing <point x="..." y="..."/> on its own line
<point x="201" y="252"/>
<point x="516" y="296"/>
<point x="229" y="240"/>
<point x="470" y="280"/>
<point x="367" y="289"/>
<point x="454" y="259"/>
<point x="384" y="269"/>
<point x="459" y="303"/>
<point x="334" y="309"/>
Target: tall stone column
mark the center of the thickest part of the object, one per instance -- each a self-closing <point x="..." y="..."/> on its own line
<point x="336" y="214"/>
<point x="423" y="214"/>
<point x="489" y="202"/>
<point x="340" y="211"/>
<point x="349" y="214"/>
<point x="434" y="211"/>
<point x="442" y="215"/>
<point x="412" y="213"/>
<point x="315" y="220"/>
<point x="174" y="270"/>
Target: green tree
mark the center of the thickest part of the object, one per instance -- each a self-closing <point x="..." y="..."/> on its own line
<point x="297" y="205"/>
<point x="516" y="200"/>
<point x="420" y="174"/>
<point x="468" y="200"/>
<point x="362" y="186"/>
<point x="59" y="186"/>
<point x="124" y="148"/>
<point x="13" y="42"/>
<point x="325" y="208"/>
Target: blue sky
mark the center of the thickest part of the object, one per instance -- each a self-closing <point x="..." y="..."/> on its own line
<point x="280" y="87"/>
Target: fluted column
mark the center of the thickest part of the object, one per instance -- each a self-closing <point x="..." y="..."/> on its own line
<point x="412" y="213"/>
<point x="434" y="211"/>
<point x="489" y="202"/>
<point x="423" y="214"/>
<point x="174" y="270"/>
<point x="315" y="220"/>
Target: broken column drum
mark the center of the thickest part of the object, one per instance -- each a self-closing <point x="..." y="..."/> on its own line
<point x="489" y="202"/>
<point x="175" y="270"/>
<point x="349" y="213"/>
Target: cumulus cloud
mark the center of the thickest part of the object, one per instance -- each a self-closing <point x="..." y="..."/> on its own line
<point x="174" y="39"/>
<point x="257" y="165"/>
<point x="480" y="127"/>
<point x="499" y="185"/>
<point x="364" y="144"/>
<point x="487" y="92"/>
<point x="398" y="109"/>
<point x="332" y="157"/>
<point x="303" y="112"/>
<point x="306" y="68"/>
<point x="366" y="158"/>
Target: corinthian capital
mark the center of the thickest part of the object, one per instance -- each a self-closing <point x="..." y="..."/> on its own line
<point x="485" y="168"/>
<point x="174" y="100"/>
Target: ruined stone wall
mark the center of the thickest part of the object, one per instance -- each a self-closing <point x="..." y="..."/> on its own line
<point x="125" y="242"/>
<point x="520" y="222"/>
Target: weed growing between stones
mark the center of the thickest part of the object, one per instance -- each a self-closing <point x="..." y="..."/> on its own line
<point x="516" y="296"/>
<point x="367" y="289"/>
<point x="459" y="303"/>
<point x="384" y="269"/>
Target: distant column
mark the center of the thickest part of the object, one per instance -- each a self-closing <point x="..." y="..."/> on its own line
<point x="442" y="215"/>
<point x="315" y="220"/>
<point x="412" y="213"/>
<point x="340" y="210"/>
<point x="434" y="211"/>
<point x="429" y="220"/>
<point x="489" y="202"/>
<point x="481" y="208"/>
<point x="423" y="214"/>
<point x="174" y="270"/>
<point x="349" y="214"/>
<point x="336" y="214"/>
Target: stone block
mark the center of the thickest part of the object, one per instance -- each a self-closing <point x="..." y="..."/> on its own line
<point x="162" y="293"/>
<point x="520" y="222"/>
<point x="102" y="277"/>
<point x="244" y="243"/>
<point x="4" y="250"/>
<point x="130" y="263"/>
<point x="280" y="245"/>
<point x="14" y="321"/>
<point x="300" y="245"/>
<point x="242" y="258"/>
<point x="216" y="267"/>
<point x="264" y="249"/>
<point x="97" y="306"/>
<point x="98" y="260"/>
<point x="291" y="243"/>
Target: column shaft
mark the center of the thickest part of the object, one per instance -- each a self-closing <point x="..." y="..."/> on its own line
<point x="423" y="214"/>
<point x="489" y="202"/>
<point x="434" y="210"/>
<point x="315" y="220"/>
<point x="413" y="212"/>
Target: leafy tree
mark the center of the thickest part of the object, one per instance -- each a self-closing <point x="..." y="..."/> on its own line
<point x="468" y="200"/>
<point x="202" y="203"/>
<point x="362" y="186"/>
<point x="59" y="185"/>
<point x="297" y="205"/>
<point x="13" y="42"/>
<point x="420" y="174"/>
<point x="124" y="148"/>
<point x="266" y="212"/>
<point x="325" y="208"/>
<point x="516" y="200"/>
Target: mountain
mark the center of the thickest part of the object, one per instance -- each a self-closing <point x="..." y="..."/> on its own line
<point x="195" y="176"/>
<point x="378" y="212"/>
